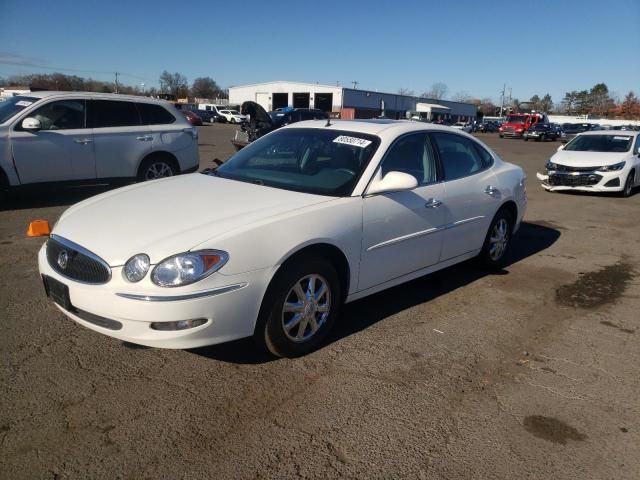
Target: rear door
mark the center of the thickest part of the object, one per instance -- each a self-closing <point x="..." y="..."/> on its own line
<point x="472" y="197"/>
<point x="121" y="141"/>
<point x="61" y="150"/>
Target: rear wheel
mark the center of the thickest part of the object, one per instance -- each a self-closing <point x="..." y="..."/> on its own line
<point x="494" y="253"/>
<point x="299" y="308"/>
<point x="156" y="167"/>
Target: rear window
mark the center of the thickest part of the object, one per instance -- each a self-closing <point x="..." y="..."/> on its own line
<point x="110" y="113"/>
<point x="152" y="114"/>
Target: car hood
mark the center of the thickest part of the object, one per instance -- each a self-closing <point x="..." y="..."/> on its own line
<point x="588" y="159"/>
<point x="257" y="114"/>
<point x="169" y="216"/>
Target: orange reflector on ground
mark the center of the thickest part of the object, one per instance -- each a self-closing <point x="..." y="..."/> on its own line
<point x="39" y="228"/>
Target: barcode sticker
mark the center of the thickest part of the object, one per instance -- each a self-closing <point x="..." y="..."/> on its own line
<point x="354" y="141"/>
<point x="621" y="138"/>
<point x="23" y="103"/>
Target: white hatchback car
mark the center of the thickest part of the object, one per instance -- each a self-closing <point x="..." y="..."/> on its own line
<point x="598" y="161"/>
<point x="274" y="241"/>
<point x="81" y="137"/>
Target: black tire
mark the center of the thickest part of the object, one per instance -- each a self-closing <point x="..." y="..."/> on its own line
<point x="488" y="257"/>
<point x="628" y="185"/>
<point x="156" y="167"/>
<point x="271" y="333"/>
<point x="500" y="135"/>
<point x="526" y="139"/>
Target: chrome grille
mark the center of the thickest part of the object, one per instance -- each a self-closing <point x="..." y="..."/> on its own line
<point x="75" y="262"/>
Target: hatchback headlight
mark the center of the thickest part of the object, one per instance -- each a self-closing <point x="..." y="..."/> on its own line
<point x="612" y="168"/>
<point x="551" y="166"/>
<point x="188" y="267"/>
<point x="136" y="267"/>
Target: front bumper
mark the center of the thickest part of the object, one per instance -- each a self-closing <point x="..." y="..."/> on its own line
<point x="589" y="181"/>
<point x="230" y="304"/>
<point x="512" y="134"/>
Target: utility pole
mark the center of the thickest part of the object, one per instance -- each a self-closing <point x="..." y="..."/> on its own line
<point x="117" y="82"/>
<point x="355" y="84"/>
<point x="504" y="87"/>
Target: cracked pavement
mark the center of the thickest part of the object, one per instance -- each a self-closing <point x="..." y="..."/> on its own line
<point x="530" y="373"/>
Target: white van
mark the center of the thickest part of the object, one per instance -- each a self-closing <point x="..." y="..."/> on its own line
<point x="82" y="137"/>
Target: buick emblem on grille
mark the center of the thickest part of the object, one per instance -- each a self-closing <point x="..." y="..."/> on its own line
<point x="63" y="259"/>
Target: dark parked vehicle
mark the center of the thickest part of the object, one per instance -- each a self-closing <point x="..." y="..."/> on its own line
<point x="541" y="132"/>
<point x="489" y="127"/>
<point x="192" y="117"/>
<point x="572" y="129"/>
<point x="260" y="122"/>
<point x="208" y="116"/>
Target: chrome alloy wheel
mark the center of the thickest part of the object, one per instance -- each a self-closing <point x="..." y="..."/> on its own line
<point x="158" y="170"/>
<point x="306" y="308"/>
<point x="499" y="239"/>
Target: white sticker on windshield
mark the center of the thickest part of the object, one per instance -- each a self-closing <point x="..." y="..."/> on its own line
<point x="621" y="138"/>
<point x="23" y="103"/>
<point x="355" y="141"/>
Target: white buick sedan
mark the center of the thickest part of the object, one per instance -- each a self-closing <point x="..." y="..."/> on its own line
<point x="273" y="242"/>
<point x="598" y="161"/>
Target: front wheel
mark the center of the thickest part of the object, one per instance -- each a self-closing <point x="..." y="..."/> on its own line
<point x="299" y="308"/>
<point x="497" y="243"/>
<point x="628" y="185"/>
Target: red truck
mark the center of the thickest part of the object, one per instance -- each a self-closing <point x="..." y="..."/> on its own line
<point x="516" y="124"/>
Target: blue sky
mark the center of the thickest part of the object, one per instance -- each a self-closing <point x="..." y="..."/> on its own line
<point x="474" y="47"/>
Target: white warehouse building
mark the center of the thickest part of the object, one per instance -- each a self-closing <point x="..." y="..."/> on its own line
<point x="349" y="103"/>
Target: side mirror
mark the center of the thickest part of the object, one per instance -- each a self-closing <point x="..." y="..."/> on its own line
<point x="31" y="123"/>
<point x="392" y="182"/>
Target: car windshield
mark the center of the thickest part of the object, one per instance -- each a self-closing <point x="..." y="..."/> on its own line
<point x="539" y="126"/>
<point x="234" y="112"/>
<point x="600" y="143"/>
<point x="516" y="119"/>
<point x="309" y="160"/>
<point x="14" y="105"/>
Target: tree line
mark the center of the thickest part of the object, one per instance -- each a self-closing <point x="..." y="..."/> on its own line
<point x="174" y="84"/>
<point x="597" y="101"/>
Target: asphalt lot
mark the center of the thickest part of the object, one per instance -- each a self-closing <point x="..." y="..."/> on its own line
<point x="530" y="373"/>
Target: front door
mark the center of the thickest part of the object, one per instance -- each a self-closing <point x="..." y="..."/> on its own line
<point x="402" y="231"/>
<point x="61" y="150"/>
<point x="472" y="194"/>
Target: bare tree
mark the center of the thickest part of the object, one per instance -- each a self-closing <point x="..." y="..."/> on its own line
<point x="438" y="91"/>
<point x="174" y="83"/>
<point x="462" y="97"/>
<point x="405" y="91"/>
<point x="205" y="87"/>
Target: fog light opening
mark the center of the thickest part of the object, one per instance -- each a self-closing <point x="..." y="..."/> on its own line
<point x="178" y="325"/>
<point x="613" y="183"/>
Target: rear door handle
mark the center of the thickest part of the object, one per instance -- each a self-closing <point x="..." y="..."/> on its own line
<point x="83" y="141"/>
<point x="491" y="190"/>
<point x="433" y="203"/>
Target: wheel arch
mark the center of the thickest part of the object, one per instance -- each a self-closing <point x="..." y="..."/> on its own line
<point x="511" y="207"/>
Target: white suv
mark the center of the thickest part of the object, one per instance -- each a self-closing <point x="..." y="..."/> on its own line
<point x="82" y="137"/>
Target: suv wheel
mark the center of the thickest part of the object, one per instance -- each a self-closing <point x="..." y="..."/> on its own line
<point x="154" y="168"/>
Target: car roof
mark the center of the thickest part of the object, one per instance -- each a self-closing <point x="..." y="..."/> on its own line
<point x="97" y="95"/>
<point x="375" y="126"/>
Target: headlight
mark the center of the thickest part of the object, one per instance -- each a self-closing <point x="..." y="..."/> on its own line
<point x="612" y="168"/>
<point x="551" y="166"/>
<point x="188" y="267"/>
<point x="136" y="267"/>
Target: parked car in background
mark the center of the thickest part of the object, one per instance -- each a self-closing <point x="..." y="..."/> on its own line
<point x="206" y="115"/>
<point x="214" y="111"/>
<point x="465" y="127"/>
<point x="193" y="118"/>
<point x="572" y="129"/>
<point x="541" y="132"/>
<point x="233" y="116"/>
<point x="598" y="161"/>
<point x="488" y="127"/>
<point x="260" y="122"/>
<point x="83" y="137"/>
<point x="344" y="210"/>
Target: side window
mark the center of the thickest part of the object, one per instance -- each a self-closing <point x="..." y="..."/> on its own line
<point x="485" y="157"/>
<point x="61" y="115"/>
<point x="112" y="113"/>
<point x="151" y="114"/>
<point x="412" y="154"/>
<point x="458" y="155"/>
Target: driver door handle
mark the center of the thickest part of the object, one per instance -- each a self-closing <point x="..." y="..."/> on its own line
<point x="433" y="203"/>
<point x="490" y="190"/>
